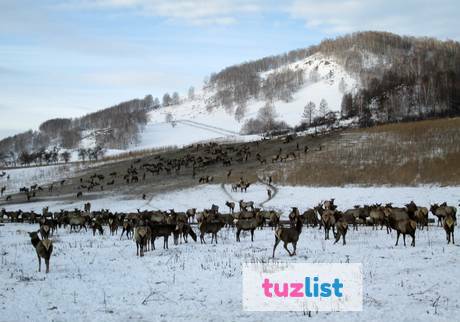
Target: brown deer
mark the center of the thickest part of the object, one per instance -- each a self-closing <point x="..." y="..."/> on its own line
<point x="421" y="217"/>
<point x="141" y="236"/>
<point x="289" y="235"/>
<point x="45" y="231"/>
<point x="449" y="226"/>
<point x="399" y="220"/>
<point x="248" y="224"/>
<point x="79" y="221"/>
<point x="310" y="218"/>
<point x="211" y="227"/>
<point x="44" y="248"/>
<point x="96" y="226"/>
<point x="293" y="215"/>
<point x="341" y="227"/>
<point x="163" y="230"/>
<point x="231" y="206"/>
<point x="441" y="212"/>
<point x="245" y="205"/>
<point x="328" y="221"/>
<point x="128" y="228"/>
<point x="113" y="226"/>
<point x="191" y="214"/>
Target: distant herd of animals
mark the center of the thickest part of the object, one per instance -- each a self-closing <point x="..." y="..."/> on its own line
<point x="145" y="226"/>
<point x="198" y="158"/>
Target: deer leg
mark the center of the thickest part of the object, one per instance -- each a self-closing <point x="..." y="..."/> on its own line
<point x="238" y="235"/>
<point x="285" y="247"/>
<point x="215" y="237"/>
<point x="39" y="263"/>
<point x="295" y="248"/>
<point x="413" y="239"/>
<point x="453" y="240"/>
<point x="337" y="237"/>
<point x="47" y="262"/>
<point x="344" y="242"/>
<point x="404" y="239"/>
<point x="397" y="238"/>
<point x="276" y="244"/>
<point x="137" y="249"/>
<point x="252" y="235"/>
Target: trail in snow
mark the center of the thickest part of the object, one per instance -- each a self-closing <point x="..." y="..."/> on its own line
<point x="203" y="128"/>
<point x="260" y="204"/>
<point x="203" y="125"/>
<point x="272" y="188"/>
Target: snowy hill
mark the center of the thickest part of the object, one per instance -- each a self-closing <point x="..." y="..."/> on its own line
<point x="370" y="77"/>
<point x="194" y="122"/>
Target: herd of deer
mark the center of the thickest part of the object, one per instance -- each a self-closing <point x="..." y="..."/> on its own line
<point x="145" y="226"/>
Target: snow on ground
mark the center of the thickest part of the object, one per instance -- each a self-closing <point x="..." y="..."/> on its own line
<point x="219" y="123"/>
<point x="101" y="279"/>
<point x="42" y="175"/>
<point x="24" y="177"/>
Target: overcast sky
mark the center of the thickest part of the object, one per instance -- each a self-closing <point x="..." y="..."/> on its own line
<point x="67" y="58"/>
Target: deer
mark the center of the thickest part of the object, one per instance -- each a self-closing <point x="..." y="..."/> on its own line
<point x="310" y="218"/>
<point x="44" y="231"/>
<point x="210" y="227"/>
<point x="341" y="227"/>
<point x="113" y="226"/>
<point x="400" y="220"/>
<point x="421" y="217"/>
<point x="96" y="226"/>
<point x="231" y="206"/>
<point x="141" y="236"/>
<point x="44" y="249"/>
<point x="328" y="221"/>
<point x="441" y="212"/>
<point x="245" y="205"/>
<point x="75" y="221"/>
<point x="449" y="226"/>
<point x="289" y="235"/>
<point x="163" y="230"/>
<point x="128" y="228"/>
<point x="248" y="224"/>
<point x="191" y="214"/>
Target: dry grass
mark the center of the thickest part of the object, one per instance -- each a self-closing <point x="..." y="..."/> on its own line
<point x="397" y="154"/>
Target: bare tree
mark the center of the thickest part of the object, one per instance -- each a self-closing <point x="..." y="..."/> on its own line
<point x="175" y="99"/>
<point x="191" y="93"/>
<point x="240" y="112"/>
<point x="309" y="112"/>
<point x="82" y="154"/>
<point x="323" y="108"/>
<point x="167" y="99"/>
<point x="65" y="156"/>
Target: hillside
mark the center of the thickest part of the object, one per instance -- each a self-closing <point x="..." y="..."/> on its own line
<point x="363" y="79"/>
<point x="405" y="154"/>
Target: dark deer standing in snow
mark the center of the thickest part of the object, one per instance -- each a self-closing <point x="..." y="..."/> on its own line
<point x="44" y="248"/>
<point x="449" y="226"/>
<point x="289" y="235"/>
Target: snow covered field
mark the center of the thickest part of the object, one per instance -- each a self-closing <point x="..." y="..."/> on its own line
<point x="101" y="279"/>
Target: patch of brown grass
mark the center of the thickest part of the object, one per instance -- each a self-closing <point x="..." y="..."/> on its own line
<point x="397" y="154"/>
